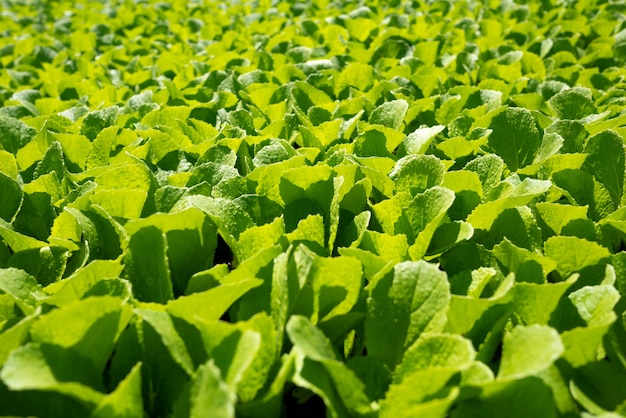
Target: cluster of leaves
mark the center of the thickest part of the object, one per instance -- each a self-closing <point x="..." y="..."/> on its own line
<point x="346" y="208"/>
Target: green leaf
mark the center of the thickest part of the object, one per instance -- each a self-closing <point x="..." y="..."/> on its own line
<point x="210" y="393"/>
<point x="595" y="303"/>
<point x="416" y="173"/>
<point x="489" y="169"/>
<point x="572" y="132"/>
<point x="163" y="325"/>
<point x="51" y="368"/>
<point x="22" y="287"/>
<point x="255" y="376"/>
<point x="47" y="264"/>
<point x="556" y="216"/>
<point x="598" y="387"/>
<point x="90" y="327"/>
<point x="526" y="264"/>
<point x="449" y="234"/>
<point x="410" y="299"/>
<point x="572" y="104"/>
<point x="606" y="162"/>
<point x="357" y="75"/>
<point x="87" y="281"/>
<point x="8" y="164"/>
<point x="318" y="370"/>
<point x="435" y="351"/>
<point x="572" y="254"/>
<point x="146" y="266"/>
<point x="418" y="141"/>
<point x="584" y="345"/>
<point x="390" y="114"/>
<point x="528" y="350"/>
<point x="515" y="137"/>
<point x="423" y="394"/>
<point x="425" y="214"/>
<point x="125" y="401"/>
<point x="332" y="287"/>
<point x="486" y="213"/>
<point x="389" y="247"/>
<point x="191" y="241"/>
<point x="212" y="303"/>
<point x="52" y="162"/>
<point x="534" y="303"/>
<point x="14" y="337"/>
<point x="586" y="191"/>
<point x="518" y="225"/>
<point x="482" y="320"/>
<point x="15" y="134"/>
<point x="97" y="120"/>
<point x="510" y="398"/>
<point x="310" y="340"/>
<point x="229" y="216"/>
<point x="256" y="238"/>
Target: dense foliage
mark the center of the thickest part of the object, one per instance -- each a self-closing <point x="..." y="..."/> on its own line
<point x="266" y="208"/>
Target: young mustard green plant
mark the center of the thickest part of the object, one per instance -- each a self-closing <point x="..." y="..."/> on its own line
<point x="312" y="208"/>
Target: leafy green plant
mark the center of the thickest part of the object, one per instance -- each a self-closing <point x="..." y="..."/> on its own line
<point x="333" y="208"/>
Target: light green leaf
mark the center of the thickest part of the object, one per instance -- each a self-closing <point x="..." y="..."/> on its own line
<point x="309" y="339"/>
<point x="486" y="213"/>
<point x="529" y="350"/>
<point x="256" y="238"/>
<point x="572" y="254"/>
<point x="584" y="345"/>
<point x="425" y="213"/>
<point x="510" y="398"/>
<point x="332" y="288"/>
<point x="489" y="169"/>
<point x="606" y="162"/>
<point x="212" y="303"/>
<point x="418" y="141"/>
<point x="229" y="216"/>
<point x="389" y="247"/>
<point x="515" y="137"/>
<point x="518" y="225"/>
<point x="125" y="204"/>
<point x="410" y="299"/>
<point x="14" y="337"/>
<point x="357" y="75"/>
<point x="416" y="173"/>
<point x="255" y="376"/>
<point x="572" y="104"/>
<point x="318" y="370"/>
<point x="51" y="368"/>
<point x="435" y="351"/>
<point x="595" y="303"/>
<point x="22" y="287"/>
<point x="479" y="317"/>
<point x="8" y="164"/>
<point x="52" y="162"/>
<point x="146" y="266"/>
<point x="210" y="394"/>
<point x="426" y="393"/>
<point x="125" y="401"/>
<point x="15" y="134"/>
<point x="16" y="241"/>
<point x="534" y="303"/>
<point x="556" y="216"/>
<point x="162" y="323"/>
<point x="97" y="120"/>
<point x="191" y="241"/>
<point x="390" y="114"/>
<point x="523" y="261"/>
<point x="90" y="327"/>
